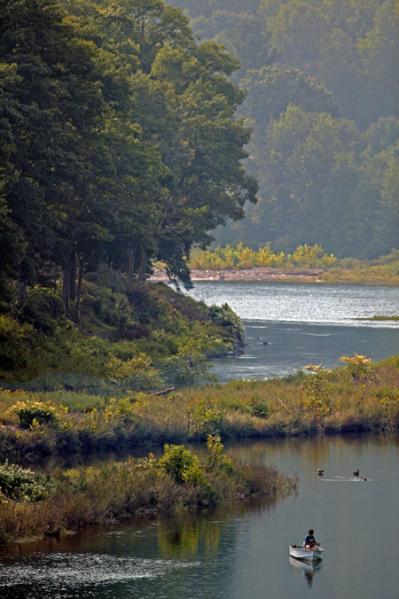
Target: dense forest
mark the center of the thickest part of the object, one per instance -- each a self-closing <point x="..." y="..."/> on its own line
<point x="322" y="99"/>
<point x="120" y="146"/>
<point x="120" y="142"/>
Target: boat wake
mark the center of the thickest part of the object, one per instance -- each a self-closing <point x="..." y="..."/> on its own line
<point x="346" y="479"/>
<point x="57" y="574"/>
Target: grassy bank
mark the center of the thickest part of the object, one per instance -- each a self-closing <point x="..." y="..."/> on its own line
<point x="34" y="504"/>
<point x="142" y="337"/>
<point x="360" y="396"/>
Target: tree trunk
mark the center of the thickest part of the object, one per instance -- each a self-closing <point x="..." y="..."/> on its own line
<point x="143" y="265"/>
<point x="130" y="270"/>
<point x="72" y="277"/>
<point x="78" y="289"/>
<point x="66" y="289"/>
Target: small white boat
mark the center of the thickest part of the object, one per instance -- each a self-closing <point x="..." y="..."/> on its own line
<point x="299" y="552"/>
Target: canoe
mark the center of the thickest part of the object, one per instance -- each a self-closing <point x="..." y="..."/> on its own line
<point x="299" y="552"/>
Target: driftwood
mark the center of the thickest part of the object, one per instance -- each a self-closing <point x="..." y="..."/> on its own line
<point x="165" y="391"/>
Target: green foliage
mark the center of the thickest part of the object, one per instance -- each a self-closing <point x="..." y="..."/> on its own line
<point x="15" y="342"/>
<point x="259" y="408"/>
<point x="306" y="59"/>
<point x="141" y="339"/>
<point x="217" y="460"/>
<point x="43" y="309"/>
<point x="206" y="418"/>
<point x="182" y="465"/>
<point x="35" y="414"/>
<point x="316" y="394"/>
<point x="242" y="257"/>
<point x="225" y="317"/>
<point x="128" y="487"/>
<point x="134" y="373"/>
<point x="341" y="400"/>
<point x="19" y="483"/>
<point x="32" y="412"/>
<point x="141" y="162"/>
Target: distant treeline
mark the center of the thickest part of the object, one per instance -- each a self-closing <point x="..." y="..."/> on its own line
<point x="119" y="142"/>
<point x="323" y="100"/>
<point x="383" y="270"/>
<point x="243" y="257"/>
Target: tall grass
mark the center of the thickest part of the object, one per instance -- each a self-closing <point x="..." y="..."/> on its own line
<point x="115" y="490"/>
<point x="355" y="397"/>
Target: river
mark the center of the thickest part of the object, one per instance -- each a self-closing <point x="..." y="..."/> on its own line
<point x="241" y="554"/>
<point x="289" y="325"/>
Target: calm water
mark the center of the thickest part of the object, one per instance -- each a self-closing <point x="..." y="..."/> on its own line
<point x="288" y="326"/>
<point x="242" y="554"/>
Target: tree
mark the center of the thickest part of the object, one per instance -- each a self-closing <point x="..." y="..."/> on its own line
<point x="311" y="175"/>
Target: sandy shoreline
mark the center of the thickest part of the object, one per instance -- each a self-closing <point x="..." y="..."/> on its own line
<point x="311" y="275"/>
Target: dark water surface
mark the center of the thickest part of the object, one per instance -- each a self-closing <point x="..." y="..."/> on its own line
<point x="290" y="325"/>
<point x="290" y="346"/>
<point x="241" y="554"/>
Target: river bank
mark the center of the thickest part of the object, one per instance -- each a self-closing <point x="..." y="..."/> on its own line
<point x="306" y="264"/>
<point x="239" y="550"/>
<point x="48" y="505"/>
<point x="360" y="397"/>
<point x="360" y="276"/>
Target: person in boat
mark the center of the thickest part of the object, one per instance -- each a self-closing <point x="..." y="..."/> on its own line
<point x="310" y="541"/>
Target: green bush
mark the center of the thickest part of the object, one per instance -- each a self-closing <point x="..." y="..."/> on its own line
<point x="259" y="408"/>
<point x="225" y="317"/>
<point x="43" y="309"/>
<point x="21" y="483"/>
<point x="33" y="414"/>
<point x="182" y="465"/>
<point x="15" y="343"/>
<point x="184" y="370"/>
<point x="217" y="460"/>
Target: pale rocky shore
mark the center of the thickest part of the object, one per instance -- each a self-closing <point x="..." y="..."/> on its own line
<point x="311" y="275"/>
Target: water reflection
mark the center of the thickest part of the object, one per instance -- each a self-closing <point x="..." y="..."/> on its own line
<point x="309" y="568"/>
<point x="186" y="536"/>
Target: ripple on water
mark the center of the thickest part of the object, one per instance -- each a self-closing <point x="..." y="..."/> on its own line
<point x="59" y="574"/>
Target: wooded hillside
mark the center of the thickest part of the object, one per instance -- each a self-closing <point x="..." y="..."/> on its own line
<point x="322" y="87"/>
<point x="120" y="142"/>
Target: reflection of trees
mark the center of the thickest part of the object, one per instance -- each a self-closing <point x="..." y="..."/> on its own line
<point x="186" y="536"/>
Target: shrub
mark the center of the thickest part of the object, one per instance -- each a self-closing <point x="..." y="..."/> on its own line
<point x="15" y="343"/>
<point x="43" y="308"/>
<point x="357" y="364"/>
<point x="21" y="483"/>
<point x="217" y="460"/>
<point x="33" y="412"/>
<point x="184" y="370"/>
<point x="182" y="465"/>
<point x="259" y="408"/>
<point x="224" y="316"/>
<point x="135" y="373"/>
<point x="206" y="418"/>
